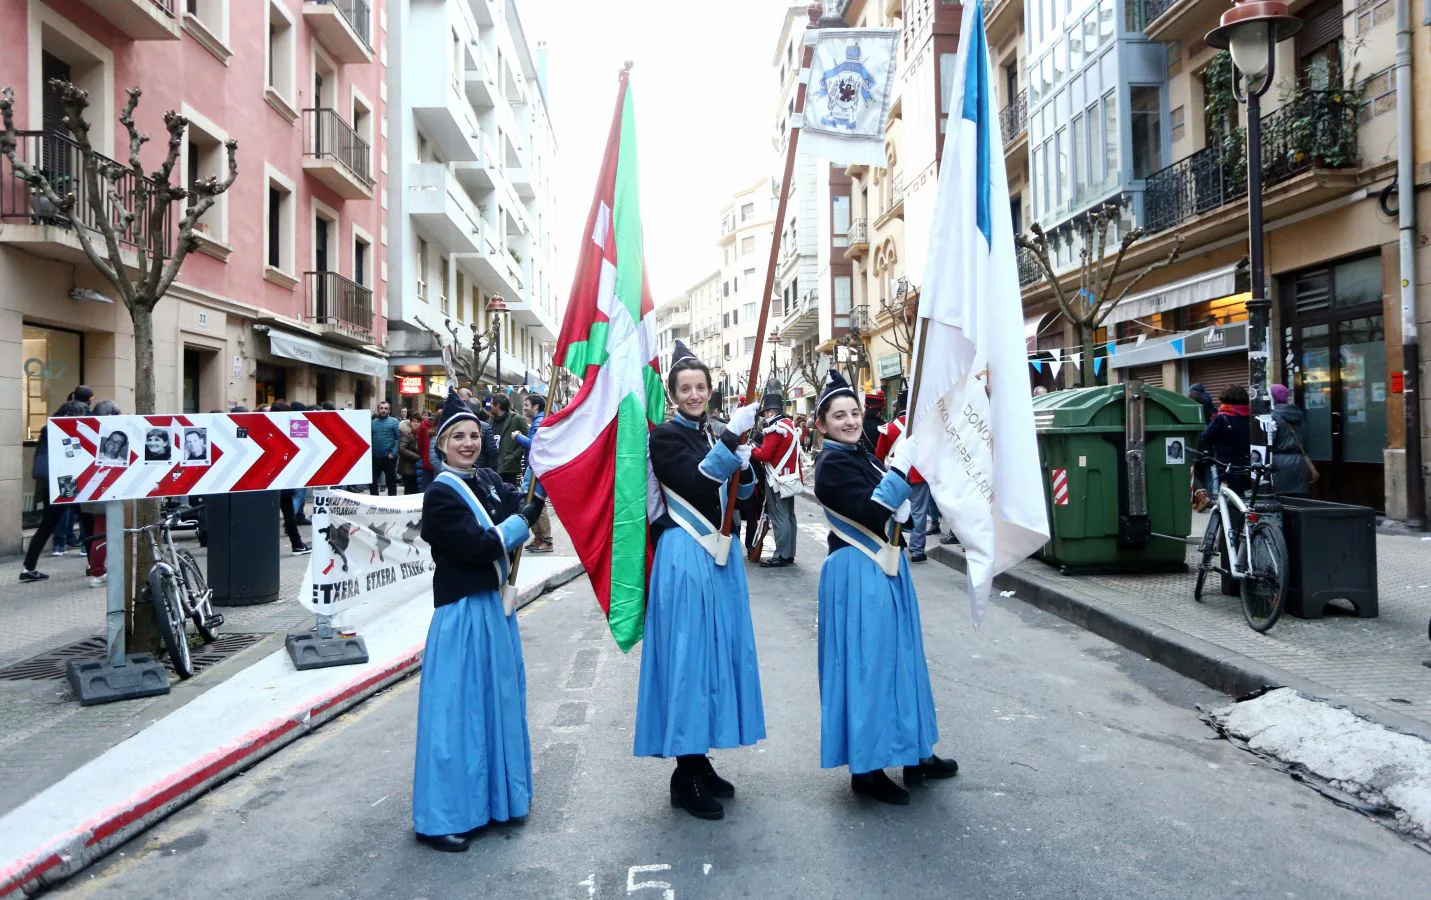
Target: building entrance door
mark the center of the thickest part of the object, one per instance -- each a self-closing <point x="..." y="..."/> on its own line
<point x="1338" y="354"/>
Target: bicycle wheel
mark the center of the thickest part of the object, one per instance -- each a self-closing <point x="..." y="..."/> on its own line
<point x="1208" y="550"/>
<point x="200" y="598"/>
<point x="1264" y="589"/>
<point x="164" y="590"/>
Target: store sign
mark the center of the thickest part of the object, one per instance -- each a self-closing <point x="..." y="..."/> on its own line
<point x="888" y="366"/>
<point x="1218" y="339"/>
<point x="409" y="384"/>
<point x="437" y="385"/>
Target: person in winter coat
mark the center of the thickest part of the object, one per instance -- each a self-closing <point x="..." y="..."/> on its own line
<point x="1226" y="438"/>
<point x="535" y="407"/>
<point x="1204" y="399"/>
<point x="54" y="513"/>
<point x="408" y="454"/>
<point x="1291" y="474"/>
<point x="426" y="468"/>
<point x="385" y="449"/>
<point x="506" y="425"/>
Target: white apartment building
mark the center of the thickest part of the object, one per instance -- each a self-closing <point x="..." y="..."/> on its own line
<point x="747" y="227"/>
<point x="473" y="215"/>
<point x="706" y="338"/>
<point x="673" y="323"/>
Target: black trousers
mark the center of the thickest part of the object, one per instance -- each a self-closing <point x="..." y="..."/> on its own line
<point x="409" y="483"/>
<point x="290" y="519"/>
<point x="43" y="533"/>
<point x="385" y="467"/>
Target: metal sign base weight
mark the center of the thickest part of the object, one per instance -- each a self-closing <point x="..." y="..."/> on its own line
<point x="324" y="646"/>
<point x="96" y="681"/>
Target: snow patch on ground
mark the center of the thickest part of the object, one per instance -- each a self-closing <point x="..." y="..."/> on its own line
<point x="1375" y="764"/>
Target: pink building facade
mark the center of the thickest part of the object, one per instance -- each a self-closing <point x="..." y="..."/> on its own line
<point x="285" y="297"/>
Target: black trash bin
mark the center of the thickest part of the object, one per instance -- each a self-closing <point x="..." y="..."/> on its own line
<point x="243" y="547"/>
<point x="1331" y="550"/>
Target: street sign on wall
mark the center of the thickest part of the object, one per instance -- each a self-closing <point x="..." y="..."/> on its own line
<point x="99" y="458"/>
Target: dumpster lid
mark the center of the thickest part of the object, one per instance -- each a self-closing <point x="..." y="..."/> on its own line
<point x="1077" y="407"/>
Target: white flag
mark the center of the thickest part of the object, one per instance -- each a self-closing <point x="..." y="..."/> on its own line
<point x="973" y="416"/>
<point x="849" y="94"/>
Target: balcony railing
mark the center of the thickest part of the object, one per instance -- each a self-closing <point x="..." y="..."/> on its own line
<point x="327" y="136"/>
<point x="1316" y="129"/>
<point x="896" y="190"/>
<point x="164" y="6"/>
<point x="860" y="318"/>
<point x="1014" y="118"/>
<point x="358" y="15"/>
<point x="1141" y="12"/>
<point x="340" y="303"/>
<point x="1029" y="271"/>
<point x="58" y="157"/>
<point x="859" y="232"/>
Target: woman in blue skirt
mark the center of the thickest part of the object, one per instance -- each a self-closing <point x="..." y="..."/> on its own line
<point x="474" y="757"/>
<point x="876" y="705"/>
<point x="700" y="683"/>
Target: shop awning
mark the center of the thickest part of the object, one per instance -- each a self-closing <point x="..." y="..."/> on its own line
<point x="293" y="346"/>
<point x="1205" y="286"/>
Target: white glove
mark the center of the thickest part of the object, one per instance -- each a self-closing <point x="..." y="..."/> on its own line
<point x="901" y="456"/>
<point x="743" y="419"/>
<point x="744" y="451"/>
<point x="902" y="514"/>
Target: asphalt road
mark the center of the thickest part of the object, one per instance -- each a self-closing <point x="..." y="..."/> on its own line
<point x="1084" y="772"/>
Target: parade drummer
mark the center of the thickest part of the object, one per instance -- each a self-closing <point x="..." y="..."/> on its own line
<point x="876" y="703"/>
<point x="474" y="757"/>
<point x="700" y="681"/>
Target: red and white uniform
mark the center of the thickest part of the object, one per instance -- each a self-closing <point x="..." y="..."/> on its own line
<point x="888" y="434"/>
<point x="780" y="435"/>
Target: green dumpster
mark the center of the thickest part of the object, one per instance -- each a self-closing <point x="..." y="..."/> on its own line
<point x="1116" y="471"/>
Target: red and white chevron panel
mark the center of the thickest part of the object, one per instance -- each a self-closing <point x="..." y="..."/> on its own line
<point x="1060" y="487"/>
<point x="94" y="459"/>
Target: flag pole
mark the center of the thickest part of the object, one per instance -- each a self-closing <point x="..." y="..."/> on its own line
<point x="918" y="367"/>
<point x="752" y="386"/>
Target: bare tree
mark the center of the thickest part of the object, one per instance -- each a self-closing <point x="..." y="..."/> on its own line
<point x="813" y="367"/>
<point x="469" y="359"/>
<point x="902" y="322"/>
<point x="1090" y="304"/>
<point x="127" y="207"/>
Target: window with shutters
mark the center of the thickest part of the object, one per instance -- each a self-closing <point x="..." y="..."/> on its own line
<point x="278" y="226"/>
<point x="66" y="52"/>
<point x="1319" y="46"/>
<point x="205" y="157"/>
<point x="281" y="52"/>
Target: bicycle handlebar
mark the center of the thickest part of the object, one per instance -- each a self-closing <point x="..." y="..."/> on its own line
<point x="165" y="522"/>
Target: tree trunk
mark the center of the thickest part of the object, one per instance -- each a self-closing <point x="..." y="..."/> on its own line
<point x="1086" y="333"/>
<point x="144" y="629"/>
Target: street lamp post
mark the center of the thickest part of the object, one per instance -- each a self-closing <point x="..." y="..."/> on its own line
<point x="1250" y="32"/>
<point x="775" y="341"/>
<point x="495" y="307"/>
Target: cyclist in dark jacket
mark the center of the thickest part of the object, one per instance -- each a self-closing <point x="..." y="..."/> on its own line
<point x="1227" y="437"/>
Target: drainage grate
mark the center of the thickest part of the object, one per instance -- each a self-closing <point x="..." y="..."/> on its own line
<point x="53" y="664"/>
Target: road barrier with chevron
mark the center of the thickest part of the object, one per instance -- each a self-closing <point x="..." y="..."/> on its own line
<point x="96" y="459"/>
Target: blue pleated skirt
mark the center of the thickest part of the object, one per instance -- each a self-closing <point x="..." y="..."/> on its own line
<point x="700" y="681"/>
<point x="474" y="757"/>
<point x="876" y="704"/>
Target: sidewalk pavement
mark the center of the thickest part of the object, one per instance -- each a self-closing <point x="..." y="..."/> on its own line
<point x="77" y="781"/>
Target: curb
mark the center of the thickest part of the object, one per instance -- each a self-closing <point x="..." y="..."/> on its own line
<point x="1217" y="667"/>
<point x="111" y="828"/>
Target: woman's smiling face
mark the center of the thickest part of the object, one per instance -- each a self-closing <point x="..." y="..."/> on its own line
<point x="693" y="392"/>
<point x="842" y="420"/>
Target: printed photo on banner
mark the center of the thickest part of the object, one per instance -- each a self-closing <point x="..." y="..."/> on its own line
<point x="67" y="487"/>
<point x="158" y="445"/>
<point x="113" y="446"/>
<point x="1176" y="452"/>
<point x="196" y="449"/>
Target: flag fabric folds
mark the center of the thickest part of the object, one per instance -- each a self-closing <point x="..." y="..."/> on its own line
<point x="848" y="94"/>
<point x="973" y="412"/>
<point x="591" y="456"/>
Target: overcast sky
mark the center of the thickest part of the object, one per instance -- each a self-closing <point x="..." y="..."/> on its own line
<point x="705" y="95"/>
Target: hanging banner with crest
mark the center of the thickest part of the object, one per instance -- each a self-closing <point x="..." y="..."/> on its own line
<point x="849" y="93"/>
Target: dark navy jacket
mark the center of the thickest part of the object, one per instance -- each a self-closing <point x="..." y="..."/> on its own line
<point x="677" y="450"/>
<point x="845" y="481"/>
<point x="463" y="550"/>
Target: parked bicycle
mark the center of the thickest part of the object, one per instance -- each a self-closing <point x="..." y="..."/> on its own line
<point x="178" y="590"/>
<point x="1250" y="539"/>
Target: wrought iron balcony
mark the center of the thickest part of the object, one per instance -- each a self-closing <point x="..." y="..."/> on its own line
<point x="340" y="304"/>
<point x="357" y="15"/>
<point x="1029" y="271"/>
<point x="1316" y="129"/>
<point x="1014" y="118"/>
<point x="1141" y="13"/>
<point x="327" y="136"/>
<point x="896" y="190"/>
<point x="58" y="157"/>
<point x="860" y="318"/>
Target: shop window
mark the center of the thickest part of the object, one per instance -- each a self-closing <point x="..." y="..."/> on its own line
<point x="53" y="366"/>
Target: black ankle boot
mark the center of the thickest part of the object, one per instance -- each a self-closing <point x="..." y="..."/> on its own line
<point x="878" y="786"/>
<point x="447" y="843"/>
<point x="931" y="767"/>
<point x="688" y="791"/>
<point x="715" y="785"/>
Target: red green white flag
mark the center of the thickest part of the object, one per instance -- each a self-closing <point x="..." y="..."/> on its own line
<point x="591" y="456"/>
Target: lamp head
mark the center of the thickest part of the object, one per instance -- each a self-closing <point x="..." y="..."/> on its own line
<point x="1250" y="32"/>
<point x="496" y="304"/>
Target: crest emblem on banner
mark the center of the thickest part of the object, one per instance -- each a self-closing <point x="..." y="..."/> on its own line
<point x="846" y="89"/>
